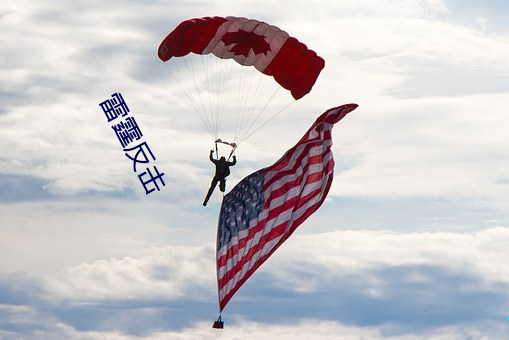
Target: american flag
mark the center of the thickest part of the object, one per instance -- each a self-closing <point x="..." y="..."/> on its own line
<point x="266" y="207"/>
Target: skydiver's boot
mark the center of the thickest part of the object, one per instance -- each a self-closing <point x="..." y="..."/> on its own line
<point x="209" y="193"/>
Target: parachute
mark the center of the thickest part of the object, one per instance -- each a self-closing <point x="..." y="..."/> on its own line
<point x="199" y="54"/>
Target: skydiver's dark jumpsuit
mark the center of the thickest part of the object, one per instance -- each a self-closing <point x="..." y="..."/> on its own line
<point x="222" y="171"/>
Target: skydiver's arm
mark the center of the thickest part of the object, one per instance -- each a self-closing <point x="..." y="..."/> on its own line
<point x="210" y="156"/>
<point x="234" y="161"/>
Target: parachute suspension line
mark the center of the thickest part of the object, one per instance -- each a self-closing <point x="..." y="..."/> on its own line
<point x="214" y="90"/>
<point x="267" y="121"/>
<point x="188" y="96"/>
<point x="243" y="111"/>
<point x="227" y="86"/>
<point x="219" y="107"/>
<point x="218" y="75"/>
<point x="205" y="66"/>
<point x="261" y="112"/>
<point x="253" y="99"/>
<point x="240" y="105"/>
<point x="228" y="71"/>
<point x="255" y="84"/>
<point x="195" y="98"/>
<point x="191" y="70"/>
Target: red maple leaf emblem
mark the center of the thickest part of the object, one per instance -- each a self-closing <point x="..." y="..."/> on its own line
<point x="246" y="41"/>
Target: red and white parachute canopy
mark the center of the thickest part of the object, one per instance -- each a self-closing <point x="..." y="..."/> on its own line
<point x="248" y="42"/>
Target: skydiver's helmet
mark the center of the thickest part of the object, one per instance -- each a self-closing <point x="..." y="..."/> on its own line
<point x="222" y="159"/>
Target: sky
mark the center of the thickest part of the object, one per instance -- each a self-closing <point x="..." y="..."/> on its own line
<point x="411" y="243"/>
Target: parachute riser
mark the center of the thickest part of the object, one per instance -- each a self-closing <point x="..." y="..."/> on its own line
<point x="231" y="153"/>
<point x="233" y="145"/>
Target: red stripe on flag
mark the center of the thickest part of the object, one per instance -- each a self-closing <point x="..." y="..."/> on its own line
<point x="311" y="160"/>
<point x="298" y="181"/>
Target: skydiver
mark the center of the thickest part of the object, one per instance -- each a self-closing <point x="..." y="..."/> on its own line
<point x="222" y="171"/>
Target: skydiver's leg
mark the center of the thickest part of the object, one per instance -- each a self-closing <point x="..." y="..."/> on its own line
<point x="211" y="190"/>
<point x="222" y="184"/>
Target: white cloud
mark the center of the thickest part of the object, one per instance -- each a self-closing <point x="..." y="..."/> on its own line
<point x="339" y="253"/>
<point x="444" y="147"/>
<point x="45" y="237"/>
<point x="162" y="273"/>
